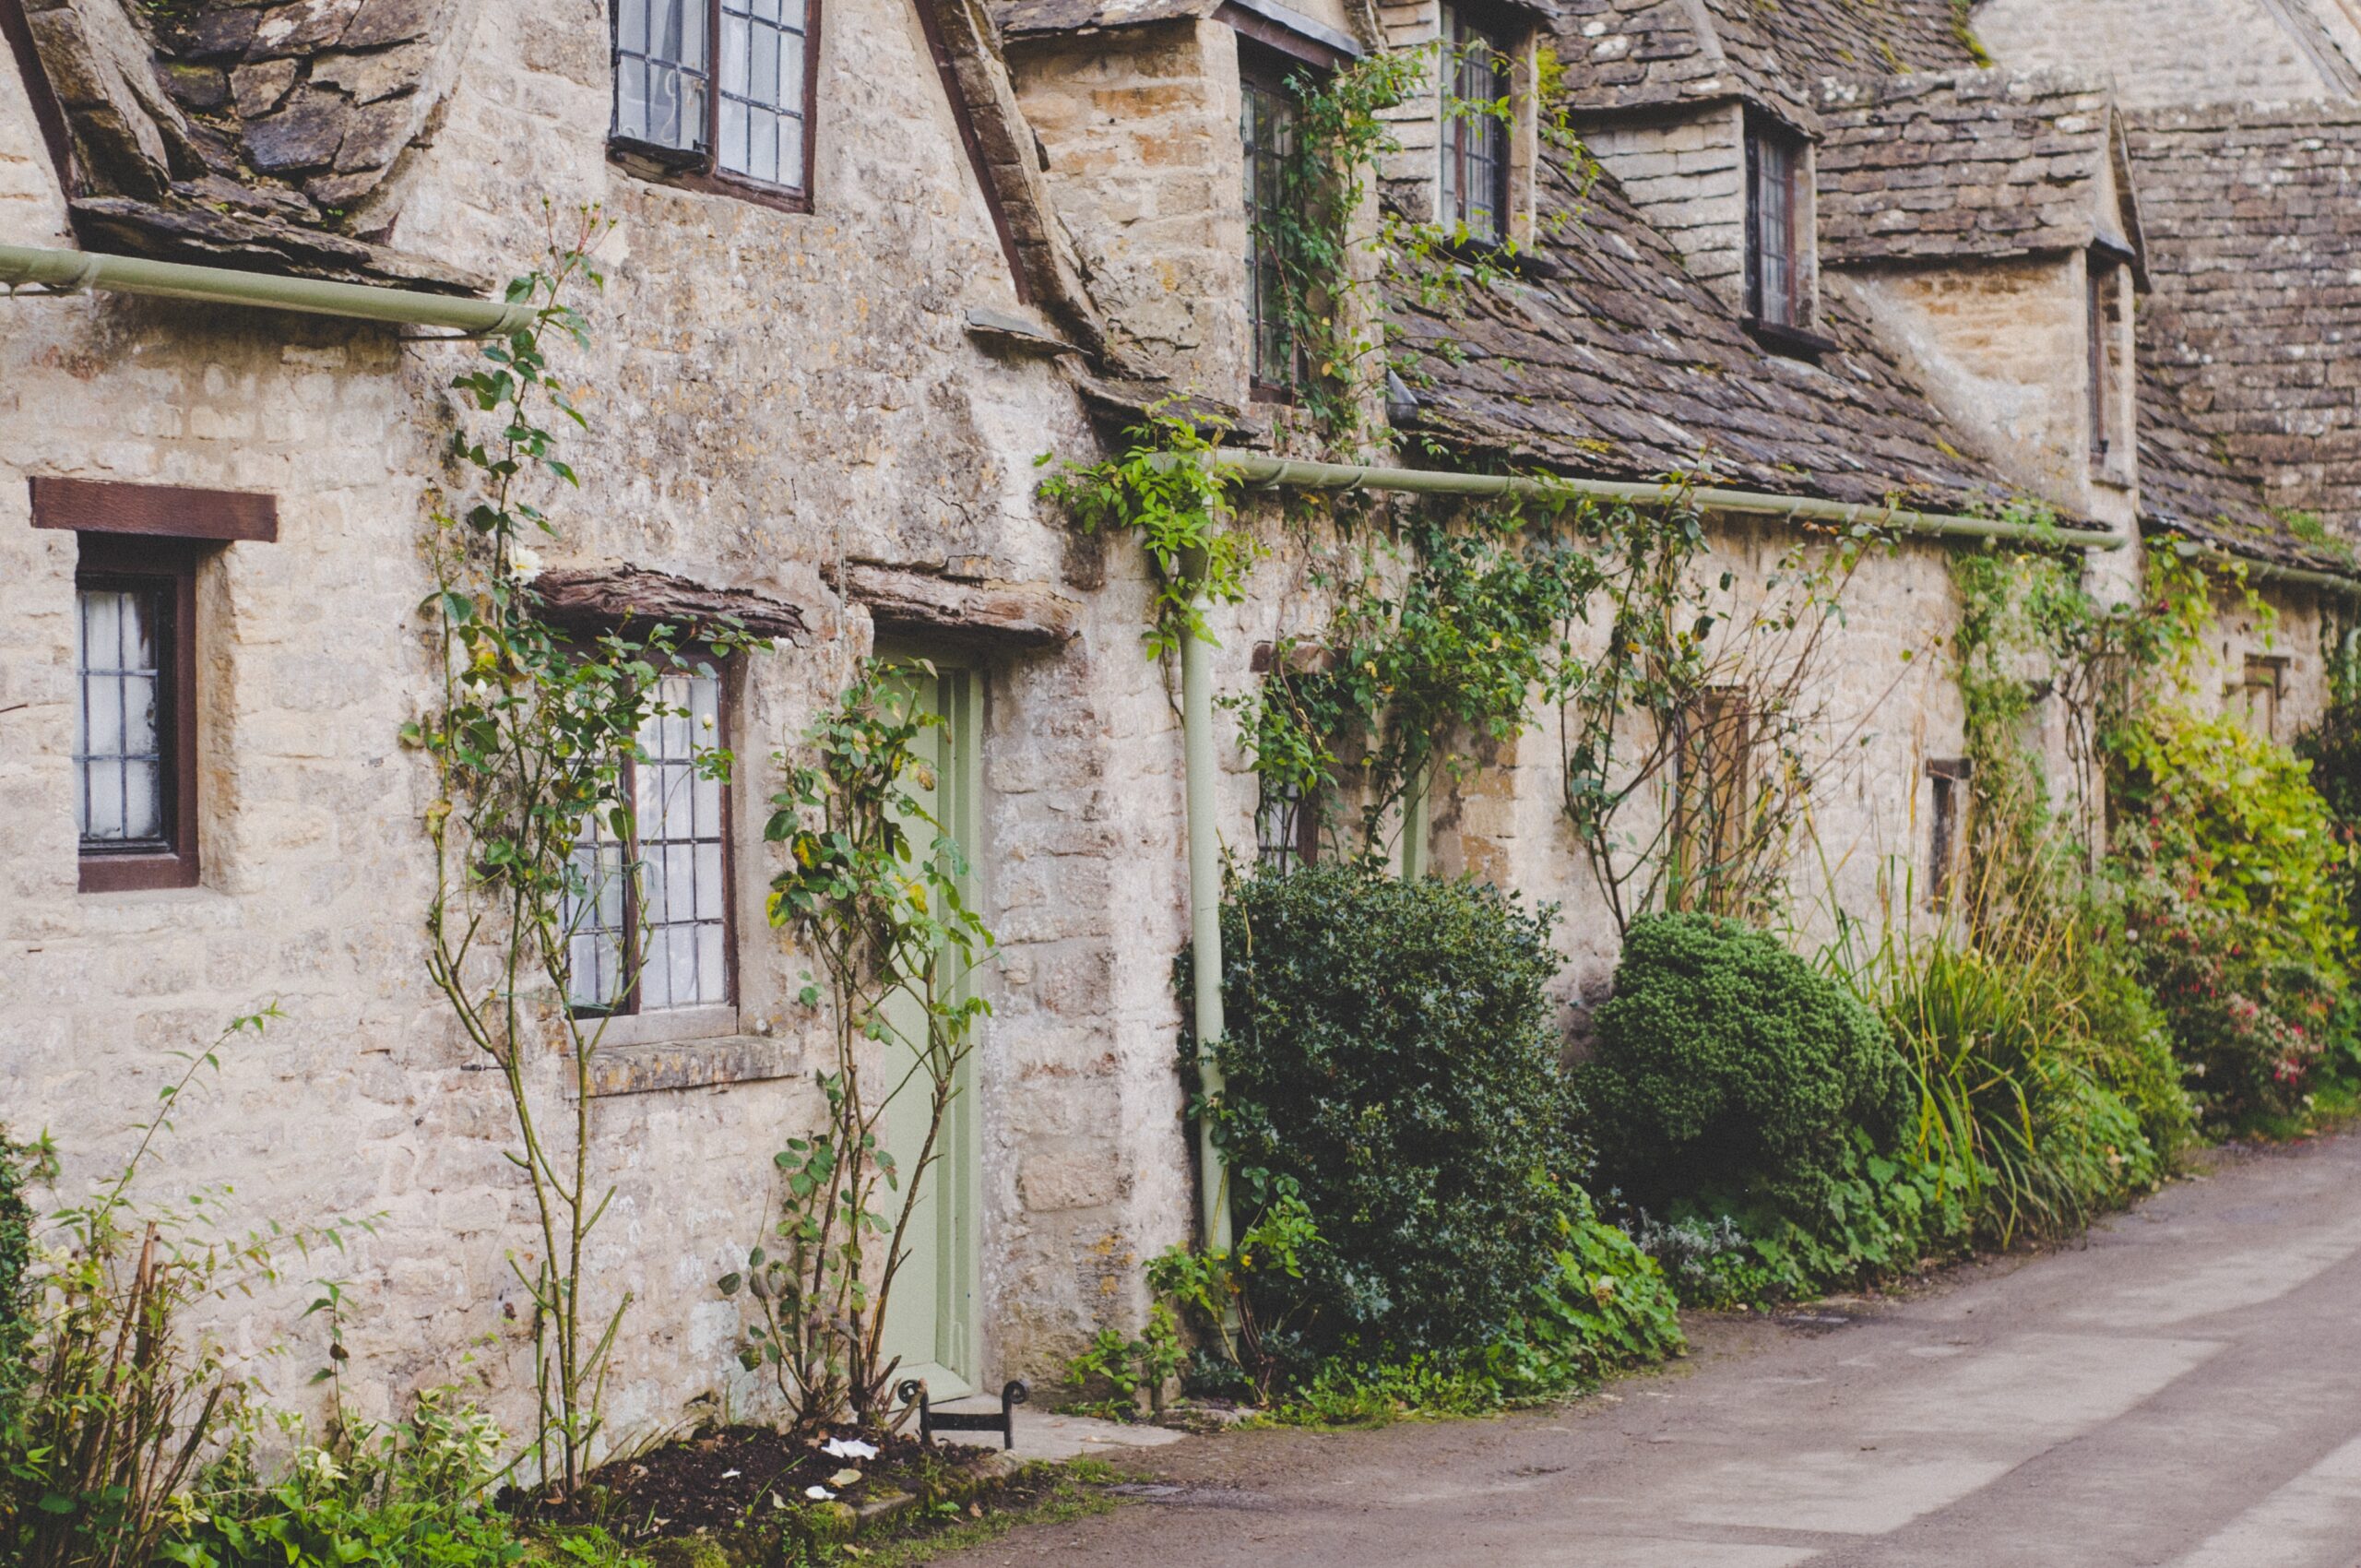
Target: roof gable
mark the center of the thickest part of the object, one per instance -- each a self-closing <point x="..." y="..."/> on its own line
<point x="1639" y="53"/>
<point x="1969" y="163"/>
<point x="1622" y="365"/>
<point x="2248" y="346"/>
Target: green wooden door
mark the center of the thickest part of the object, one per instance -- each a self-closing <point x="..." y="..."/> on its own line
<point x="930" y="1316"/>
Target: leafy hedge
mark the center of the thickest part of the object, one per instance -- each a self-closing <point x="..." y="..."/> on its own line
<point x="1392" y="1052"/>
<point x="1726" y="1064"/>
<point x="2238" y="876"/>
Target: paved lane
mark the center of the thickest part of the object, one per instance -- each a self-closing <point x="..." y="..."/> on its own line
<point x="2182" y="1392"/>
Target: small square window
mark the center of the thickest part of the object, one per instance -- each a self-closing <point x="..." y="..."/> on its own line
<point x="736" y="118"/>
<point x="135" y="658"/>
<point x="1778" y="226"/>
<point x="647" y="914"/>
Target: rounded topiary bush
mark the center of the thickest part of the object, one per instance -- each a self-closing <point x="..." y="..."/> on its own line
<point x="1393" y="1051"/>
<point x="1726" y="1065"/>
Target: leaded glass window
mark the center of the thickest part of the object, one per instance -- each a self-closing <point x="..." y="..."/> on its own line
<point x="660" y="73"/>
<point x="1777" y="227"/>
<point x="120" y="750"/>
<point x="1267" y="128"/>
<point x="744" y="116"/>
<point x="1476" y="119"/>
<point x="1286" y="827"/>
<point x="762" y="89"/>
<point x="647" y="922"/>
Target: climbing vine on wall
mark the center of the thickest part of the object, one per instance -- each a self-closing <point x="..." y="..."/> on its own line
<point x="1170" y="487"/>
<point x="1383" y="701"/>
<point x="1339" y="260"/>
<point x="1696" y="739"/>
<point x="528" y="736"/>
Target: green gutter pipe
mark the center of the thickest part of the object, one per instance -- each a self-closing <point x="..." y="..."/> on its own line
<point x="2271" y="572"/>
<point x="73" y="272"/>
<point x="1276" y="473"/>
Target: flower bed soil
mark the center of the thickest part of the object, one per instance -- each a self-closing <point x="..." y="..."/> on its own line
<point x="747" y="1475"/>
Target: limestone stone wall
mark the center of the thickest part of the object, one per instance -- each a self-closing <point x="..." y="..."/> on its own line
<point x="2001" y="347"/>
<point x="2161" y="53"/>
<point x="1139" y="126"/>
<point x="1883" y="705"/>
<point x="769" y="393"/>
<point x="1688" y="177"/>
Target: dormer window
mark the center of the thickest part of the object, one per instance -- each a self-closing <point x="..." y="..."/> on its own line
<point x="2102" y="391"/>
<point x="1478" y="112"/>
<point x="1778" y="226"/>
<point x="1267" y="128"/>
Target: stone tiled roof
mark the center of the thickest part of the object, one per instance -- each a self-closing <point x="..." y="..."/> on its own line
<point x="2251" y="341"/>
<point x="255" y="134"/>
<point x="1633" y="53"/>
<point x="1020" y="19"/>
<point x="1622" y="366"/>
<point x="1949" y="164"/>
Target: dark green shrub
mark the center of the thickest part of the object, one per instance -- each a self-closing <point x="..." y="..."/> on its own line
<point x="21" y="1166"/>
<point x="1726" y="1064"/>
<point x="1393" y="1052"/>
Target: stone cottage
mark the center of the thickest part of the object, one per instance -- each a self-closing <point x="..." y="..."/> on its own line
<point x="868" y="263"/>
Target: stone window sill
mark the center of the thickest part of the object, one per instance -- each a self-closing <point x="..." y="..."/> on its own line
<point x="653" y="1066"/>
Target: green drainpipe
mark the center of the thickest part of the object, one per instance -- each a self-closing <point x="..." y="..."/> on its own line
<point x="74" y="272"/>
<point x="1205" y="916"/>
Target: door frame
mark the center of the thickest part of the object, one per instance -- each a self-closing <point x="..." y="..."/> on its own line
<point x="953" y="1368"/>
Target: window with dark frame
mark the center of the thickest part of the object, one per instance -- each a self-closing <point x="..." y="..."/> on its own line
<point x="648" y="922"/>
<point x="1476" y="88"/>
<point x="1267" y="128"/>
<point x="1714" y="786"/>
<point x="1778" y="225"/>
<point x="1287" y="829"/>
<point x="134" y="648"/>
<point x="1946" y="834"/>
<point x="719" y="91"/>
<point x="135" y="737"/>
<point x="2102" y="379"/>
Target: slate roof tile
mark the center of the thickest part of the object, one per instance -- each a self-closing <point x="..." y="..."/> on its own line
<point x="1631" y="53"/>
<point x="1626" y="367"/>
<point x="1951" y="164"/>
<point x="2247" y="385"/>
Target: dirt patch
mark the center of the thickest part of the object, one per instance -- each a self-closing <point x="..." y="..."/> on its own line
<point x="752" y="1476"/>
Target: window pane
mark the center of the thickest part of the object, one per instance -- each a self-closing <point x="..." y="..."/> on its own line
<point x="681" y="831"/>
<point x="762" y="89"/>
<point x="734" y="31"/>
<point x="762" y="84"/>
<point x="733" y="134"/>
<point x="118" y="760"/>
<point x="105" y="784"/>
<point x="660" y="72"/>
<point x="143" y="802"/>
